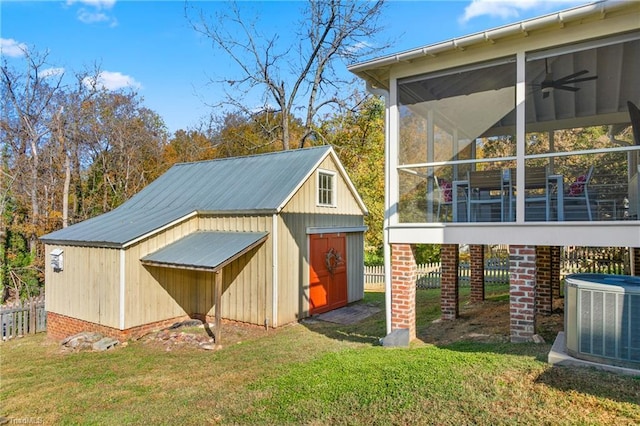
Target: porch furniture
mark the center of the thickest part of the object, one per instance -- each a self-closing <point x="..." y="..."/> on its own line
<point x="634" y="116"/>
<point x="578" y="192"/>
<point x="445" y="197"/>
<point x="633" y="198"/>
<point x="486" y="188"/>
<point x="537" y="189"/>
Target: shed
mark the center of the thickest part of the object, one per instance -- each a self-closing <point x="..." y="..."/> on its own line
<point x="265" y="239"/>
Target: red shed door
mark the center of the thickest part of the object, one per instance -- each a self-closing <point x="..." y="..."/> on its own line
<point x="328" y="275"/>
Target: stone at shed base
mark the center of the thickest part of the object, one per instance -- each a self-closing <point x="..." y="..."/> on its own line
<point x="104" y="344"/>
<point x="397" y="338"/>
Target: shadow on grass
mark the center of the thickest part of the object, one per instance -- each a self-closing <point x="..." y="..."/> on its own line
<point x="598" y="383"/>
<point x="367" y="331"/>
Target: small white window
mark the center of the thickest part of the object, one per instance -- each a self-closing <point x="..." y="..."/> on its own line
<point x="326" y="188"/>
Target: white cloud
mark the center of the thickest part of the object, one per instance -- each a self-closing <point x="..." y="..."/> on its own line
<point x="51" y="72"/>
<point x="506" y="9"/>
<point x="94" y="11"/>
<point x="90" y="17"/>
<point x="98" y="4"/>
<point x="112" y="81"/>
<point x="10" y="47"/>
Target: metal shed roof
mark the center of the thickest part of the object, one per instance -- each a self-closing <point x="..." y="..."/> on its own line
<point x="260" y="184"/>
<point x="205" y="250"/>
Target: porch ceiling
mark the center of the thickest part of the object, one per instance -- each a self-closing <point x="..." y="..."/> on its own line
<point x="596" y="102"/>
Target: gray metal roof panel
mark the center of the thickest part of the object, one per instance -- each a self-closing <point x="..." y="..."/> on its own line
<point x="260" y="182"/>
<point x="254" y="183"/>
<point x="204" y="249"/>
<point x="115" y="228"/>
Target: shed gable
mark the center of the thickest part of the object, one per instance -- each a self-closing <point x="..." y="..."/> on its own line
<point x="305" y="199"/>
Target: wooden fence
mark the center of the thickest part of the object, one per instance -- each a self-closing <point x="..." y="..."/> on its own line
<point x="496" y="272"/>
<point x="22" y="318"/>
<point x="603" y="260"/>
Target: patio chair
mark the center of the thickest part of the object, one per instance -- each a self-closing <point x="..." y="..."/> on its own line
<point x="486" y="188"/>
<point x="445" y="197"/>
<point x="578" y="192"/>
<point x="634" y="116"/>
<point x="536" y="191"/>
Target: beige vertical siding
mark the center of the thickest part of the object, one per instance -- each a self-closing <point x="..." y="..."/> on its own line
<point x="157" y="293"/>
<point x="87" y="287"/>
<point x="305" y="200"/>
<point x="355" y="271"/>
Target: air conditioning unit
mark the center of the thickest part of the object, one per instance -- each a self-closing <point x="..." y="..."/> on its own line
<point x="57" y="260"/>
<point x="602" y="319"/>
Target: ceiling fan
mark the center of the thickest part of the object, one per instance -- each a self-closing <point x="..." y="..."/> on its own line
<point x="549" y="84"/>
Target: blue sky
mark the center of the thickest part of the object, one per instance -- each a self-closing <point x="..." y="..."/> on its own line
<point x="150" y="46"/>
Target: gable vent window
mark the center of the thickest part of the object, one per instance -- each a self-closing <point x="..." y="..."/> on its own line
<point x="326" y="189"/>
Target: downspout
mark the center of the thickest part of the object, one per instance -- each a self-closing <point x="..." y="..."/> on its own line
<point x="386" y="248"/>
<point x="274" y="270"/>
<point x="122" y="289"/>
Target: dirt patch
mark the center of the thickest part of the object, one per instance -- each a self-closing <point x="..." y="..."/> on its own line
<point x="190" y="336"/>
<point x="488" y="322"/>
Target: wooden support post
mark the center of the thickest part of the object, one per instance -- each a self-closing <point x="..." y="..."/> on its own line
<point x="218" y="298"/>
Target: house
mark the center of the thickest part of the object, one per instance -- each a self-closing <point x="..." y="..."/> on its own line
<point x="518" y="135"/>
<point x="265" y="239"/>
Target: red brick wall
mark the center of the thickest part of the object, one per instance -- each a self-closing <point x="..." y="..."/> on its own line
<point x="60" y="327"/>
<point x="522" y="291"/>
<point x="403" y="288"/>
<point x="449" y="281"/>
<point x="543" y="268"/>
<point x="476" y="251"/>
<point x="555" y="272"/>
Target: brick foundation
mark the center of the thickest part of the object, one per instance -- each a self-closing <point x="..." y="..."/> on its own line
<point x="544" y="299"/>
<point x="403" y="288"/>
<point x="555" y="272"/>
<point x="449" y="281"/>
<point x="476" y="252"/>
<point x="522" y="292"/>
<point x="60" y="327"/>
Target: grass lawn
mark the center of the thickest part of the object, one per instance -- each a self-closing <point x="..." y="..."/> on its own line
<point x="311" y="373"/>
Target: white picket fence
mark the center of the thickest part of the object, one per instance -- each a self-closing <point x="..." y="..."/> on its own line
<point x="496" y="271"/>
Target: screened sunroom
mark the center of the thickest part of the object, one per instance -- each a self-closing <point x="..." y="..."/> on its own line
<point x="527" y="126"/>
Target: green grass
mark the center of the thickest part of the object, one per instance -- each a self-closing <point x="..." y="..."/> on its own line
<point x="311" y="373"/>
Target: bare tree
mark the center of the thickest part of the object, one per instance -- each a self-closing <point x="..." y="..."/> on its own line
<point x="295" y="77"/>
<point x="28" y="100"/>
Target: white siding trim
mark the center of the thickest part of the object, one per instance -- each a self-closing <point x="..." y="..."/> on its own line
<point x="274" y="269"/>
<point x="122" y="288"/>
<point x="521" y="87"/>
<point x="336" y="230"/>
<point x="596" y="234"/>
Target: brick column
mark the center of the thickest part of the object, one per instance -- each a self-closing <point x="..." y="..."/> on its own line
<point x="403" y="288"/>
<point x="476" y="251"/>
<point x="556" y="263"/>
<point x="543" y="280"/>
<point x="522" y="292"/>
<point x="449" y="281"/>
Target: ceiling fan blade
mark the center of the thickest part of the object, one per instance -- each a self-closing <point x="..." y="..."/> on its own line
<point x="566" y="78"/>
<point x="569" y="88"/>
<point x="579" y="80"/>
